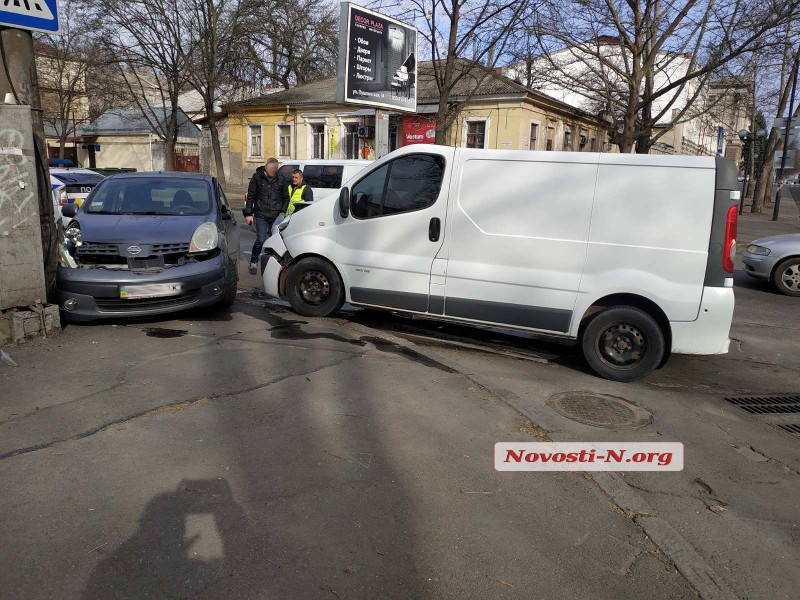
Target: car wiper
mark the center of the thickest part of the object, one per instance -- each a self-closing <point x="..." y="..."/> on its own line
<point x="101" y="212"/>
<point x="148" y="212"/>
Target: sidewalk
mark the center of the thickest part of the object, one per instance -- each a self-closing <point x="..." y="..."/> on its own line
<point x="752" y="227"/>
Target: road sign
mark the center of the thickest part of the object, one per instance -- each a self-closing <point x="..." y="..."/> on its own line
<point x="781" y="123"/>
<point x="720" y="138"/>
<point x="35" y="15"/>
<point x="788" y="163"/>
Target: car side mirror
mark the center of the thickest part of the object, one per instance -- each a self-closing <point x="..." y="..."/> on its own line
<point x="344" y="202"/>
<point x="69" y="210"/>
<point x="225" y="213"/>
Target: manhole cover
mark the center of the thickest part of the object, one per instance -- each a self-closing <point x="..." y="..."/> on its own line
<point x="600" y="410"/>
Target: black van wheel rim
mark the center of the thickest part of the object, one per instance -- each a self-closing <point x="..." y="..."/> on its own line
<point x="314" y="288"/>
<point x="622" y="345"/>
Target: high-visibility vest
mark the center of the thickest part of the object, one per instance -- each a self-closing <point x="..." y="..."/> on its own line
<point x="295" y="196"/>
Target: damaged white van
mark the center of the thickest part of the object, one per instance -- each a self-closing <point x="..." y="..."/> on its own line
<point x="629" y="255"/>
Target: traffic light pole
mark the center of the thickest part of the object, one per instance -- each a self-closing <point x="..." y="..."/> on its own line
<point x="786" y="139"/>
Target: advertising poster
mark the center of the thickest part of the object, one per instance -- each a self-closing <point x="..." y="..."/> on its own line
<point x="419" y="129"/>
<point x="380" y="60"/>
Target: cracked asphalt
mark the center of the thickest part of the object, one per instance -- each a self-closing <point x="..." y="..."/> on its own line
<point x="255" y="454"/>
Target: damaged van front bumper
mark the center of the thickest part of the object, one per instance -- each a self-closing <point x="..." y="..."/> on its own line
<point x="273" y="260"/>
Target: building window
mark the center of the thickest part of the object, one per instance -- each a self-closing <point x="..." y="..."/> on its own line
<point x="284" y="141"/>
<point x="584" y="139"/>
<point x="551" y="136"/>
<point x="318" y="140"/>
<point x="593" y="145"/>
<point x="255" y="147"/>
<point x="534" y="136"/>
<point x="567" y="139"/>
<point x="476" y="134"/>
<point x="350" y="141"/>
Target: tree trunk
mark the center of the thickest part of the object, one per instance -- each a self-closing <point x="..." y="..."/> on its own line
<point x="62" y="143"/>
<point x="212" y="126"/>
<point x="763" y="187"/>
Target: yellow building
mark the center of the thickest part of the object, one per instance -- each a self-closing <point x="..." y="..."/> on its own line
<point x="492" y="111"/>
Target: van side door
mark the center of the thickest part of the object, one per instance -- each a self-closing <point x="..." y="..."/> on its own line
<point x="518" y="237"/>
<point x="387" y="244"/>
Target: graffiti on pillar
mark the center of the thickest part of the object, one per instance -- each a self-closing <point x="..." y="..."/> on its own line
<point x="17" y="183"/>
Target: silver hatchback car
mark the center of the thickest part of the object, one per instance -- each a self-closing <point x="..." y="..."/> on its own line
<point x="776" y="259"/>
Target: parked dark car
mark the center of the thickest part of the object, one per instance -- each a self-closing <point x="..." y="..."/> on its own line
<point x="148" y="243"/>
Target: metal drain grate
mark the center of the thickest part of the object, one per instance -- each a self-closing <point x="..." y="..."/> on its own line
<point x="767" y="405"/>
<point x="790" y="428"/>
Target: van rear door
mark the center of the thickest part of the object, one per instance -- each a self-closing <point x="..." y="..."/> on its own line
<point x="387" y="245"/>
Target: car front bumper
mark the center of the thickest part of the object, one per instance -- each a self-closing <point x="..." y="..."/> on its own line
<point x="97" y="290"/>
<point x="757" y="265"/>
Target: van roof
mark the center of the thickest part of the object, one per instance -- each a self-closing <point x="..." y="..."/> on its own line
<point x="326" y="161"/>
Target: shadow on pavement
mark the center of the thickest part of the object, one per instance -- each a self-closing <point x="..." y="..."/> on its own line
<point x="185" y="541"/>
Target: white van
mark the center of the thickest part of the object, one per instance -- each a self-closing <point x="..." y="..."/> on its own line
<point x="631" y="255"/>
<point x="325" y="176"/>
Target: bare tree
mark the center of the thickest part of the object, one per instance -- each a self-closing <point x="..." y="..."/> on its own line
<point x="62" y="63"/>
<point x="150" y="43"/>
<point x="640" y="59"/>
<point x="216" y="28"/>
<point x="292" y="42"/>
<point x="465" y="40"/>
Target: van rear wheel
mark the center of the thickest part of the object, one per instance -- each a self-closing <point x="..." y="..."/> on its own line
<point x="623" y="343"/>
<point x="314" y="288"/>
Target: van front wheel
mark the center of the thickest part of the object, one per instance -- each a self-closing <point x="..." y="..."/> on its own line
<point x="314" y="288"/>
<point x="623" y="343"/>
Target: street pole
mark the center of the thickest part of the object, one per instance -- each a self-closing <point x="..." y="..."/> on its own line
<point x="18" y="77"/>
<point x="786" y="138"/>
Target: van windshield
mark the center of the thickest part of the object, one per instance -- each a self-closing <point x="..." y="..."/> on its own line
<point x="323" y="176"/>
<point x="150" y="196"/>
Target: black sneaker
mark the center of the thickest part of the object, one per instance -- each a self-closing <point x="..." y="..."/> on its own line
<point x="253" y="268"/>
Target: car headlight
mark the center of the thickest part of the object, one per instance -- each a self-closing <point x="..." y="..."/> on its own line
<point x="72" y="235"/>
<point x="753" y="249"/>
<point x="204" y="238"/>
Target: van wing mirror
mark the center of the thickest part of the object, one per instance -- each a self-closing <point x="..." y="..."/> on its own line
<point x="344" y="202"/>
<point x="69" y="210"/>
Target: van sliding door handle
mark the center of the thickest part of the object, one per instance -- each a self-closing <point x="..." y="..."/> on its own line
<point x="434" y="229"/>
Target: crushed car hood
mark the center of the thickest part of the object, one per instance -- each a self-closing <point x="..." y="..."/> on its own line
<point x="139" y="229"/>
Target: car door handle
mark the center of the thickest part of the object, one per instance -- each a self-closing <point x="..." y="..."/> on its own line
<point x="434" y="229"/>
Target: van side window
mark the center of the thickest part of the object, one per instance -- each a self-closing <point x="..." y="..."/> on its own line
<point x="323" y="176"/>
<point x="286" y="171"/>
<point x="411" y="183"/>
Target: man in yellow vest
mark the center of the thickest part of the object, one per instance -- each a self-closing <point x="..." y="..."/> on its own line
<point x="299" y="192"/>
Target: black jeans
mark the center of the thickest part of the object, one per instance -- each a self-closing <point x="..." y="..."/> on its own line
<point x="263" y="227"/>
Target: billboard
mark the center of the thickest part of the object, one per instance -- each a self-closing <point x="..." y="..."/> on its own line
<point x="419" y="129"/>
<point x="377" y="60"/>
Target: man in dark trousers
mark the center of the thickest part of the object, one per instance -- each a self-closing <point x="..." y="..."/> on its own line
<point x="267" y="197"/>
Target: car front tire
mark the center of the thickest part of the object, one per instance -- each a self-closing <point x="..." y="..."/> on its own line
<point x="787" y="277"/>
<point x="314" y="287"/>
<point x="623" y="343"/>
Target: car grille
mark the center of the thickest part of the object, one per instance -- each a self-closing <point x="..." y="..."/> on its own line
<point x="103" y="253"/>
<point x="96" y="249"/>
<point x="120" y="305"/>
<point x="170" y="248"/>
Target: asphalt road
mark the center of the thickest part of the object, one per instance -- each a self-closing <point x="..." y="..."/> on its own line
<point x="254" y="454"/>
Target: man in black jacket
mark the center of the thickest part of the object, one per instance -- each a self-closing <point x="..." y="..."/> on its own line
<point x="267" y="197"/>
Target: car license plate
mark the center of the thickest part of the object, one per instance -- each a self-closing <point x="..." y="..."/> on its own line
<point x="153" y="290"/>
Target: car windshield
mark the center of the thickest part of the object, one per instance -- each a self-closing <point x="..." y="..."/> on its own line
<point x="150" y="196"/>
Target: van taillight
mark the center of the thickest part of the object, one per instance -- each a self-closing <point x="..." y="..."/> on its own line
<point x="729" y="249"/>
<point x="62" y="198"/>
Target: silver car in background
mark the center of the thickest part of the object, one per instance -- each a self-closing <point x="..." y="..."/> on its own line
<point x="775" y="259"/>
